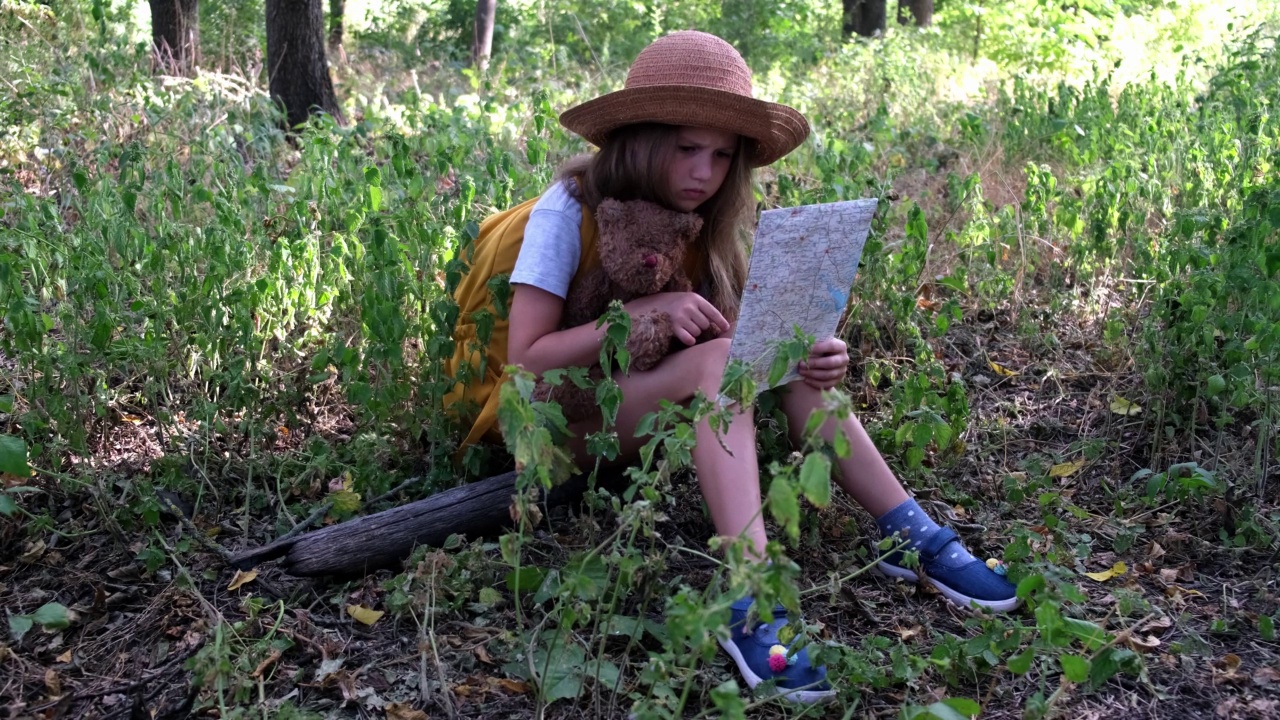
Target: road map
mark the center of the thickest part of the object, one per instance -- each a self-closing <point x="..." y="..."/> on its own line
<point x="802" y="268"/>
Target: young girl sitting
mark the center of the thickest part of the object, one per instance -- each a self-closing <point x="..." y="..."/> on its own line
<point x="685" y="133"/>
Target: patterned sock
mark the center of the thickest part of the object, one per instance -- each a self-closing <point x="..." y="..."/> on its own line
<point x="911" y="523"/>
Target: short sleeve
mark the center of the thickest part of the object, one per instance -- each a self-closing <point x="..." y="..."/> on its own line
<point x="552" y="245"/>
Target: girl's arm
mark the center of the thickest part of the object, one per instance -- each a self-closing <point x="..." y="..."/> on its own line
<point x="536" y="343"/>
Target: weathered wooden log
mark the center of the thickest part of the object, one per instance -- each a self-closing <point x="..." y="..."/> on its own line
<point x="372" y="542"/>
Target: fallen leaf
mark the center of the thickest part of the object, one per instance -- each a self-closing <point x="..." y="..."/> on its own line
<point x="1266" y="676"/>
<point x="364" y="615"/>
<point x="1226" y="670"/>
<point x="1164" y="622"/>
<point x="1066" y="469"/>
<point x="911" y="633"/>
<point x="33" y="552"/>
<point x="242" y="578"/>
<point x="1121" y="406"/>
<point x="341" y="483"/>
<point x="1114" y="571"/>
<point x="64" y="657"/>
<point x="267" y="662"/>
<point x="345" y="501"/>
<point x="999" y="369"/>
<point x="926" y="304"/>
<point x="52" y="683"/>
<point x="1155" y="552"/>
<point x="1228" y="663"/>
<point x="1263" y="708"/>
<point x="131" y="419"/>
<point x="482" y="655"/>
<point x="1138" y="643"/>
<point x="517" y="687"/>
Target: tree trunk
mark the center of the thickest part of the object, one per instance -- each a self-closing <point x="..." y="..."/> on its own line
<point x="482" y="33"/>
<point x="864" y="17"/>
<point x="383" y="539"/>
<point x="175" y="35"/>
<point x="922" y="11"/>
<point x="337" y="13"/>
<point x="296" y="65"/>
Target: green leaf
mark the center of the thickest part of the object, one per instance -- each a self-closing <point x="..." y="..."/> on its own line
<point x="562" y="664"/>
<point x="606" y="674"/>
<point x="1076" y="668"/>
<point x="784" y="506"/>
<point x="1030" y="584"/>
<point x="964" y="706"/>
<point x="52" y="616"/>
<point x="1215" y="385"/>
<point x="937" y="711"/>
<point x="841" y="444"/>
<point x="525" y="579"/>
<point x="19" y="625"/>
<point x="778" y="369"/>
<point x="728" y="700"/>
<point x="1267" y="627"/>
<point x="815" y="479"/>
<point x="917" y="228"/>
<point x="13" y="456"/>
<point x="1020" y="664"/>
<point x="7" y="506"/>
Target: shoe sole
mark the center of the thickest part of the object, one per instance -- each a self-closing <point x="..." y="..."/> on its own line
<point x="955" y="596"/>
<point x="804" y="697"/>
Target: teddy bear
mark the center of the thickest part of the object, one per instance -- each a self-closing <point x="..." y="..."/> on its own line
<point x="642" y="251"/>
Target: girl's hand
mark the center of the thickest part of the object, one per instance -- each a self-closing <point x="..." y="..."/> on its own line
<point x="690" y="313"/>
<point x="828" y="362"/>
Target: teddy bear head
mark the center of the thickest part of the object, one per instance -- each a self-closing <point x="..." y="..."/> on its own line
<point x="641" y="245"/>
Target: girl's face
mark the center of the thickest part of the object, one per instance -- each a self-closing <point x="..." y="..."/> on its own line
<point x="699" y="163"/>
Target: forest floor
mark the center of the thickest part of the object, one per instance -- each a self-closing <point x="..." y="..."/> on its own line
<point x="163" y="643"/>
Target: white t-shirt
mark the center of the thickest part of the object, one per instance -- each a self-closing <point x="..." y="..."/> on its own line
<point x="552" y="246"/>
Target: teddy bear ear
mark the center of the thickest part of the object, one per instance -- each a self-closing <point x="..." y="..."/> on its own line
<point x="691" y="223"/>
<point x="610" y="210"/>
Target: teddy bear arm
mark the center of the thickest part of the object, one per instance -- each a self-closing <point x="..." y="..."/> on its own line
<point x="587" y="299"/>
<point x="650" y="339"/>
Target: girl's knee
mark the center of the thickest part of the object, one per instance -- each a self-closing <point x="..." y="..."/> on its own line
<point x="701" y="365"/>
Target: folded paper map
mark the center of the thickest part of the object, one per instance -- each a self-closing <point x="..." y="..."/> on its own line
<point x="802" y="267"/>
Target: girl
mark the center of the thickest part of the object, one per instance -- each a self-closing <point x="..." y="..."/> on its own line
<point x="685" y="132"/>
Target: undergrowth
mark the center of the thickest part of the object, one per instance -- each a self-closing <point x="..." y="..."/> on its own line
<point x="199" y="309"/>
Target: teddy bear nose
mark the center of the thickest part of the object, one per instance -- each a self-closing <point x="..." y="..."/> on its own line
<point x="651" y="261"/>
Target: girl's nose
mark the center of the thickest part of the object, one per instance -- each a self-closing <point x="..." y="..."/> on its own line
<point x="701" y="169"/>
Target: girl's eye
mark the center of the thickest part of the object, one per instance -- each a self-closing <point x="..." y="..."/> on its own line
<point x="687" y="148"/>
<point x="724" y="154"/>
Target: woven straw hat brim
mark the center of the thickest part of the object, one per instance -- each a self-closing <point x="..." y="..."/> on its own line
<point x="777" y="129"/>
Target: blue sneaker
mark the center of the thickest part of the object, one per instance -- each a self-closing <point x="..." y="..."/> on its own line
<point x="970" y="584"/>
<point x="753" y="649"/>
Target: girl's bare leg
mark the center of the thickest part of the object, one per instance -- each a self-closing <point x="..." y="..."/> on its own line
<point x="727" y="467"/>
<point x="864" y="474"/>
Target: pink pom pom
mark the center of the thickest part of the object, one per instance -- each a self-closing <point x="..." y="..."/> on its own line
<point x="777" y="663"/>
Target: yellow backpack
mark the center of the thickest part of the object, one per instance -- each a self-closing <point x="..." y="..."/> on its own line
<point x="483" y="297"/>
<point x="478" y="361"/>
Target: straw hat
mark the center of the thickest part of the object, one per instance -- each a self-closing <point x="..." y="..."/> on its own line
<point x="692" y="78"/>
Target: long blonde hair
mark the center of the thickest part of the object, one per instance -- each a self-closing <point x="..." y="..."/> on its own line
<point x="633" y="165"/>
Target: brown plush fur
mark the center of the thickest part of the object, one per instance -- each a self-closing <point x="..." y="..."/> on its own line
<point x="642" y="251"/>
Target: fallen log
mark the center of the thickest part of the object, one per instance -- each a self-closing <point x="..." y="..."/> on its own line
<point x="383" y="539"/>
